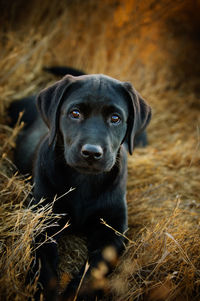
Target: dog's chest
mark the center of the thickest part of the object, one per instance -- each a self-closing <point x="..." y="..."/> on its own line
<point x="85" y="201"/>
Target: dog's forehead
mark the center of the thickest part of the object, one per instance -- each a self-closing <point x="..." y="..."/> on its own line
<point x="98" y="83"/>
<point x="97" y="79"/>
<point x="96" y="89"/>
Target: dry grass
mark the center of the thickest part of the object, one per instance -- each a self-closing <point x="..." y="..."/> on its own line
<point x="18" y="227"/>
<point x="155" y="45"/>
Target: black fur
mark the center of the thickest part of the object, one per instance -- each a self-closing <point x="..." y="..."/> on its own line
<point x="61" y="71"/>
<point x="89" y="123"/>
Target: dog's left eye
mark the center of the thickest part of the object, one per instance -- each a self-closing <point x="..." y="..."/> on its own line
<point x="115" y="119"/>
<point x="75" y="114"/>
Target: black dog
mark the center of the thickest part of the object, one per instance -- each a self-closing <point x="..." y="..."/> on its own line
<point x="89" y="123"/>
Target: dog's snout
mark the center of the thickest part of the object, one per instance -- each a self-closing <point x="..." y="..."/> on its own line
<point x="90" y="151"/>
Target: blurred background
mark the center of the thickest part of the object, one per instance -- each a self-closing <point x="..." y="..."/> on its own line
<point x="155" y="45"/>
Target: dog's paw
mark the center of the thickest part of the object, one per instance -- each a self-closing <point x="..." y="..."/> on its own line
<point x="89" y="286"/>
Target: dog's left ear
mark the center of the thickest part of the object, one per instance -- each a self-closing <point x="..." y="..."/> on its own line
<point x="49" y="102"/>
<point x="139" y="115"/>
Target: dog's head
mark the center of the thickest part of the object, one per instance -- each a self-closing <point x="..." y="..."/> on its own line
<point x="94" y="115"/>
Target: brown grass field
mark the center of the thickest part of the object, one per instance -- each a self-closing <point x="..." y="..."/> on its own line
<point x="155" y="45"/>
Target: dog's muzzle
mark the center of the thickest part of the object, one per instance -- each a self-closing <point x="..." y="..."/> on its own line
<point x="91" y="152"/>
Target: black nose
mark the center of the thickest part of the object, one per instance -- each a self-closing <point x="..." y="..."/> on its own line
<point x="90" y="151"/>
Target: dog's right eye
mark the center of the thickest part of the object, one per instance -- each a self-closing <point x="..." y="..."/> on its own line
<point x="75" y="114"/>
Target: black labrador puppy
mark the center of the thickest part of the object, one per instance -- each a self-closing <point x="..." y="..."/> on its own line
<point x="79" y="139"/>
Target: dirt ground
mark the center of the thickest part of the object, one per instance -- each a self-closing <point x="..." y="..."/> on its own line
<point x="155" y="45"/>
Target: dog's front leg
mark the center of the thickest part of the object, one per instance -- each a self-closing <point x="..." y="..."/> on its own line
<point x="45" y="268"/>
<point x="104" y="248"/>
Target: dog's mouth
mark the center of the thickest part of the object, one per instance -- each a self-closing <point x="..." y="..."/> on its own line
<point x="93" y="168"/>
<point x="88" y="166"/>
<point x="88" y="169"/>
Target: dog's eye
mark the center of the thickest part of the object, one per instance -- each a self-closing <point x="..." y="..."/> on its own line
<point x="115" y="119"/>
<point x="75" y="114"/>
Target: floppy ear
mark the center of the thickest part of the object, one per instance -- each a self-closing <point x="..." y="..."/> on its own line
<point x="49" y="102"/>
<point x="139" y="115"/>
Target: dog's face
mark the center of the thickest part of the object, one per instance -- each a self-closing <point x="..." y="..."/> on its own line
<point x="94" y="115"/>
<point x="93" y="124"/>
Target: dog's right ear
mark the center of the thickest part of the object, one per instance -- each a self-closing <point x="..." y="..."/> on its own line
<point x="49" y="102"/>
<point x="139" y="115"/>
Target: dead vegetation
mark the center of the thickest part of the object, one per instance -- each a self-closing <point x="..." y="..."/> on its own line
<point x="155" y="45"/>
